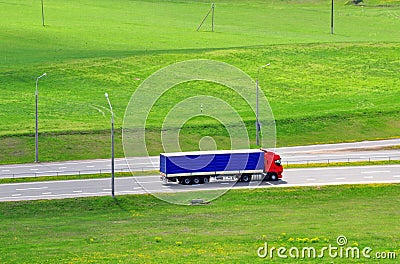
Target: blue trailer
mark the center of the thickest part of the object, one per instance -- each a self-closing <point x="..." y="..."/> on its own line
<point x="198" y="167"/>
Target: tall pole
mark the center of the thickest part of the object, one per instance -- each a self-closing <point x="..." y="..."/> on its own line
<point x="212" y="17"/>
<point x="112" y="148"/>
<point x="42" y="14"/>
<point x="332" y="17"/>
<point x="257" y="119"/>
<point x="257" y="122"/>
<point x="37" y="119"/>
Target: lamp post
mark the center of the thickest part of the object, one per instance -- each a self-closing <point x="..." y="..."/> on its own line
<point x="112" y="147"/>
<point x="257" y="121"/>
<point x="37" y="120"/>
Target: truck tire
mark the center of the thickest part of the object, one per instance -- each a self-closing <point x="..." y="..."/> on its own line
<point x="273" y="177"/>
<point x="205" y="180"/>
<point x="186" y="181"/>
<point x="245" y="178"/>
<point x="196" y="180"/>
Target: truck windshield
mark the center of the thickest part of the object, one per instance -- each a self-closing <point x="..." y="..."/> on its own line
<point x="278" y="162"/>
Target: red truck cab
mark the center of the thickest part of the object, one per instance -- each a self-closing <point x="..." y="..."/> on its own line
<point x="272" y="165"/>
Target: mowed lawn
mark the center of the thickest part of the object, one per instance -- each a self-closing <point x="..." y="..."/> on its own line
<point x="321" y="87"/>
<point x="142" y="229"/>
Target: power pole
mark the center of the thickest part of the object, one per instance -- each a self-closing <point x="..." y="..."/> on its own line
<point x="212" y="17"/>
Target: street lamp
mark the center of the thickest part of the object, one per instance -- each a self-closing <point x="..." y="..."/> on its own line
<point x="257" y="121"/>
<point x="37" y="121"/>
<point x="112" y="147"/>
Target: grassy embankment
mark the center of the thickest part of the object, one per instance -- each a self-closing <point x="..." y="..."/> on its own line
<point x="321" y="87"/>
<point x="142" y="229"/>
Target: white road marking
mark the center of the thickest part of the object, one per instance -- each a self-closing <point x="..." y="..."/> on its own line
<point x="368" y="172"/>
<point x="5" y="170"/>
<point x="33" y="188"/>
<point x="340" y="178"/>
<point x="62" y="167"/>
<point x="90" y="166"/>
<point x="77" y="191"/>
<point x="106" y="189"/>
<point x="311" y="179"/>
<point x="46" y="193"/>
<point x="368" y="177"/>
<point x="34" y="169"/>
<point x="14" y="195"/>
<point x="396" y="176"/>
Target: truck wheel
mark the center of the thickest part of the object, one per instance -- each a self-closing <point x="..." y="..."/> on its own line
<point x="186" y="181"/>
<point x="196" y="180"/>
<point x="205" y="180"/>
<point x="273" y="177"/>
<point x="245" y="178"/>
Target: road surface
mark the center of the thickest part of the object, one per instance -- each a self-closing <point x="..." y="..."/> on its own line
<point x="343" y="152"/>
<point x="152" y="184"/>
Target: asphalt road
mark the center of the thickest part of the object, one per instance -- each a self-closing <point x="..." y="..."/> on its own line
<point x="152" y="184"/>
<point x="343" y="152"/>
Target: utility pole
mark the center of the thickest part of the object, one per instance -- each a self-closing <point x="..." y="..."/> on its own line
<point x="212" y="17"/>
<point x="257" y="117"/>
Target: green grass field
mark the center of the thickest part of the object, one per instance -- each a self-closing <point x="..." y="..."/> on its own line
<point x="321" y="87"/>
<point x="142" y="229"/>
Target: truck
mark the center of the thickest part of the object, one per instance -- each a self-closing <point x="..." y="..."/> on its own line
<point x="199" y="167"/>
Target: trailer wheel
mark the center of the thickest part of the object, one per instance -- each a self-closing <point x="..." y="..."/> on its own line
<point x="186" y="181"/>
<point x="205" y="180"/>
<point x="196" y="180"/>
<point x="273" y="177"/>
<point x="245" y="178"/>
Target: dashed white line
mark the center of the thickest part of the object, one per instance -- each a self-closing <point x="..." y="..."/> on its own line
<point x="62" y="167"/>
<point x="33" y="188"/>
<point x="368" y="177"/>
<point x="311" y="179"/>
<point x="396" y="176"/>
<point x="5" y="170"/>
<point x="46" y="193"/>
<point x="90" y="166"/>
<point x="14" y="195"/>
<point x="34" y="169"/>
<point x="370" y="172"/>
<point x="340" y="178"/>
<point x="77" y="191"/>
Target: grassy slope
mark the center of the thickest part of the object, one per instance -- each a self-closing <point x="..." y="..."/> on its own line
<point x="127" y="230"/>
<point x="341" y="89"/>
